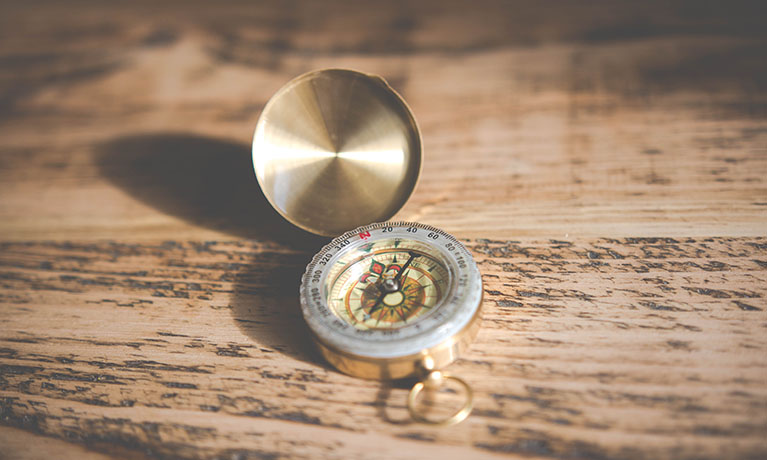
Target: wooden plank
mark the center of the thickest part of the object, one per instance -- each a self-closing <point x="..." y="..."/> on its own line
<point x="605" y="163"/>
<point x="588" y="348"/>
<point x="598" y="122"/>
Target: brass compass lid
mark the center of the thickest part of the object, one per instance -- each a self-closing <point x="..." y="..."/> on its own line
<point x="335" y="149"/>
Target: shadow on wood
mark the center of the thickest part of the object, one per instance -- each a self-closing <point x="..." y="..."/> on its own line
<point x="265" y="304"/>
<point x="210" y="182"/>
<point x="391" y="406"/>
<point x="206" y="181"/>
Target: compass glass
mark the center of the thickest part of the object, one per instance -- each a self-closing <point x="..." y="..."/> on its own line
<point x="386" y="284"/>
<point x="391" y="290"/>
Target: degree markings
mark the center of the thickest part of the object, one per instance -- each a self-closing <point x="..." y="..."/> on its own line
<point x="335" y="284"/>
<point x="344" y="296"/>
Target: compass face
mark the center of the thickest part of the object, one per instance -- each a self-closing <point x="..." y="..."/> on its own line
<point x="386" y="284"/>
<point x="391" y="289"/>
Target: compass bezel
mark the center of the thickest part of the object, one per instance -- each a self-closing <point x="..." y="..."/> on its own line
<point x="394" y="353"/>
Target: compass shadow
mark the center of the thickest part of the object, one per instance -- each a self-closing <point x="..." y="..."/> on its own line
<point x="206" y="181"/>
<point x="266" y="308"/>
<point x="391" y="401"/>
<point x="210" y="182"/>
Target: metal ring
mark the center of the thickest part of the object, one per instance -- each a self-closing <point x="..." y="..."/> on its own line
<point x="439" y="377"/>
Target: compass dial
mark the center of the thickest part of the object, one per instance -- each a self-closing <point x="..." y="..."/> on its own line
<point x="386" y="284"/>
<point x="386" y="295"/>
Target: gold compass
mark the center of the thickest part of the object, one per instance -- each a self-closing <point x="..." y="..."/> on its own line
<point x="393" y="300"/>
<point x="333" y="151"/>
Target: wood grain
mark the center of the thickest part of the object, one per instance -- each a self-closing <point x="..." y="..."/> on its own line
<point x="605" y="163"/>
<point x="588" y="349"/>
<point x="538" y="120"/>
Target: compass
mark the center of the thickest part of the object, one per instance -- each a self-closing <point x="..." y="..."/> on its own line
<point x="337" y="149"/>
<point x="393" y="300"/>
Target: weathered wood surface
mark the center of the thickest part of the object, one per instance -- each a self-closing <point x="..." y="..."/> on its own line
<point x="603" y="348"/>
<point x="555" y="119"/>
<point x="606" y="164"/>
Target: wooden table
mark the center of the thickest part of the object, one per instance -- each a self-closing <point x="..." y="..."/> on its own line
<point x="605" y="163"/>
